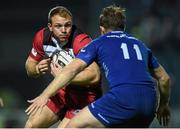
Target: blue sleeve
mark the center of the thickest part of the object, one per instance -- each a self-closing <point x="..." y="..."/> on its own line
<point x="152" y="63"/>
<point x="88" y="53"/>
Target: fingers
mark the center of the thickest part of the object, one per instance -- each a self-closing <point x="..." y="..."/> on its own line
<point x="55" y="69"/>
<point x="33" y="108"/>
<point x="30" y="109"/>
<point x="55" y="66"/>
<point x="52" y="69"/>
<point x="166" y="121"/>
<point x="163" y="120"/>
<point x="43" y="66"/>
<point x="45" y="61"/>
<point x="43" y="70"/>
<point x="31" y="101"/>
<point x="58" y="66"/>
<point x="37" y="109"/>
<point x="48" y="60"/>
<point x="36" y="104"/>
<point x="52" y="65"/>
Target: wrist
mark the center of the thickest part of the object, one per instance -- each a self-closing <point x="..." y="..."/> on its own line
<point x="163" y="102"/>
<point x="45" y="95"/>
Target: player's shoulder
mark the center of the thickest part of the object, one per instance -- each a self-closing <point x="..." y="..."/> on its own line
<point x="39" y="35"/>
<point x="40" y="32"/>
<point x="80" y="39"/>
<point x="79" y="35"/>
<point x="42" y="35"/>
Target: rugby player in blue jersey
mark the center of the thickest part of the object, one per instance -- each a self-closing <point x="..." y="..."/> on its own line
<point x="129" y="67"/>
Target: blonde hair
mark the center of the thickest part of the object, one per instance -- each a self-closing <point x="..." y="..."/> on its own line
<point x="59" y="10"/>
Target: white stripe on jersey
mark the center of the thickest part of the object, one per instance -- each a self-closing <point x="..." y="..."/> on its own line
<point x="50" y="50"/>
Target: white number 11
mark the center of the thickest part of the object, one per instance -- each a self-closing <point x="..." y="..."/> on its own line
<point x="126" y="53"/>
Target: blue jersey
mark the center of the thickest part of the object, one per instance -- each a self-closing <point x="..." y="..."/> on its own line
<point x="124" y="59"/>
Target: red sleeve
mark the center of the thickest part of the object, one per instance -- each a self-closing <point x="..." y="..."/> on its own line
<point x="80" y="41"/>
<point x="37" y="51"/>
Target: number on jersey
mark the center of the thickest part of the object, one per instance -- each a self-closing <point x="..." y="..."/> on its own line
<point x="126" y="52"/>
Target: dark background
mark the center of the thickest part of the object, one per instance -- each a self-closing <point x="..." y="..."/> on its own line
<point x="156" y="22"/>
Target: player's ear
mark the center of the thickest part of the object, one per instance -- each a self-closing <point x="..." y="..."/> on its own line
<point x="50" y="26"/>
<point x="102" y="30"/>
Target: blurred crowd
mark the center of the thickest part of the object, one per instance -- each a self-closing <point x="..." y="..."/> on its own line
<point x="157" y="23"/>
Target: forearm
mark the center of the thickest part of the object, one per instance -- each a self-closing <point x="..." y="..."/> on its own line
<point x="31" y="70"/>
<point x="164" y="90"/>
<point x="58" y="82"/>
<point x="84" y="78"/>
<point x="88" y="76"/>
<point x="163" y="84"/>
<point x="64" y="78"/>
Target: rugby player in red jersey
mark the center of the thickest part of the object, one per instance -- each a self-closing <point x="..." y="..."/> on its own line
<point x="61" y="34"/>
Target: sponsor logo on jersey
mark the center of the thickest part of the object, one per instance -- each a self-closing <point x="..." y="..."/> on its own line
<point x="34" y="52"/>
<point x="82" y="50"/>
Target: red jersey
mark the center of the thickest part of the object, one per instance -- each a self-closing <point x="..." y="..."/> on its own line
<point x="45" y="44"/>
<point x="71" y="98"/>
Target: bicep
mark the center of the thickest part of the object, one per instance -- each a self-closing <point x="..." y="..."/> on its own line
<point x="93" y="69"/>
<point x="76" y="66"/>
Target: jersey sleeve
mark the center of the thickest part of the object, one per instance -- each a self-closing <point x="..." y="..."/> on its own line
<point x="88" y="53"/>
<point x="80" y="41"/>
<point x="152" y="63"/>
<point x="37" y="51"/>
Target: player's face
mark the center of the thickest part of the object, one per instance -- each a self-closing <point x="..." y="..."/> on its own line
<point x="61" y="27"/>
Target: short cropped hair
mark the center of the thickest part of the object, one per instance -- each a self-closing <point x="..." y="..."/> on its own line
<point x="113" y="17"/>
<point x="59" y="10"/>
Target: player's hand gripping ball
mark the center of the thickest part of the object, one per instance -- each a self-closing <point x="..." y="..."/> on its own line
<point x="62" y="58"/>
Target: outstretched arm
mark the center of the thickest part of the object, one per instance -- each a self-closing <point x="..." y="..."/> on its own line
<point x="163" y="111"/>
<point x="62" y="79"/>
<point x="89" y="76"/>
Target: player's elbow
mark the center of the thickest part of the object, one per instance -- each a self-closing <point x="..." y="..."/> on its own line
<point x="165" y="82"/>
<point x="94" y="73"/>
<point x="27" y="69"/>
<point x="165" y="79"/>
<point x="30" y="72"/>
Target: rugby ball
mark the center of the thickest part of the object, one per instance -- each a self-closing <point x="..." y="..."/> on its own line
<point x="62" y="58"/>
